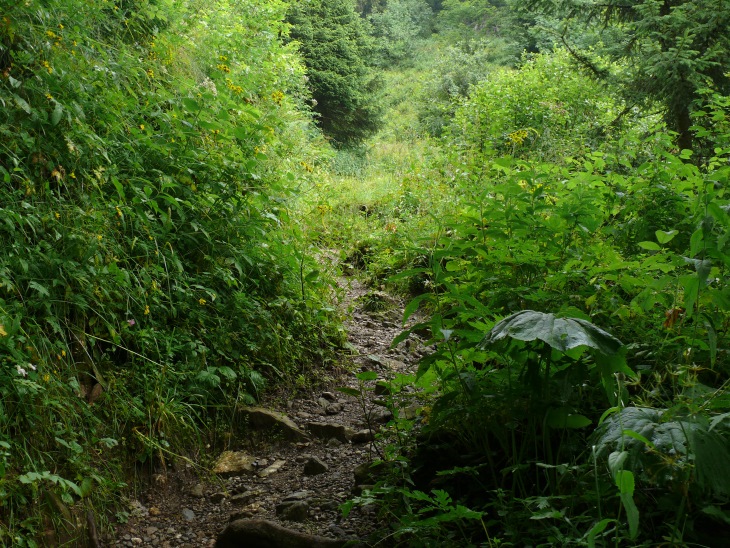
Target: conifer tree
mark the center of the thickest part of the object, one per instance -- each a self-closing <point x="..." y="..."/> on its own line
<point x="334" y="46"/>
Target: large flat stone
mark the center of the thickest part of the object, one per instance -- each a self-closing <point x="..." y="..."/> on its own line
<point x="234" y="463"/>
<point x="266" y="419"/>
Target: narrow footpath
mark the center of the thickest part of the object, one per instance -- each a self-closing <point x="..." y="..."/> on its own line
<point x="297" y="459"/>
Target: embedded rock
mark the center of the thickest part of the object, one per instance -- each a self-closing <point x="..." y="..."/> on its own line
<point x="326" y="431"/>
<point x="266" y="472"/>
<point x="234" y="463"/>
<point x="333" y="408"/>
<point x="265" y="419"/>
<point x="314" y="466"/>
<point x="363" y="436"/>
<point x="295" y="510"/>
<point x="259" y="533"/>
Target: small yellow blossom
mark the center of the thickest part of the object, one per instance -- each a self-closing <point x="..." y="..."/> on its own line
<point x="58" y="215"/>
<point x="72" y="175"/>
<point x="146" y="310"/>
<point x="518" y="137"/>
<point x="63" y="353"/>
<point x="46" y="377"/>
<point x="49" y="96"/>
<point x="99" y="237"/>
<point x="119" y="211"/>
<point x="141" y="126"/>
<point x="202" y="302"/>
<point x="60" y="26"/>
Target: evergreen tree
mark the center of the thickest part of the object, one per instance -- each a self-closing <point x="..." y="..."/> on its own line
<point x="673" y="48"/>
<point x="334" y="44"/>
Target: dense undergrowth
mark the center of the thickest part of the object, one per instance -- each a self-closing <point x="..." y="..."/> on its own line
<point x="544" y="199"/>
<point x="164" y="198"/>
<point x="151" y="278"/>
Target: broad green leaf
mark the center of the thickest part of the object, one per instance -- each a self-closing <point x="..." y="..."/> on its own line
<point x="717" y="513"/>
<point x="560" y="333"/>
<point x="625" y="482"/>
<point x="651" y="246"/>
<point x="696" y="242"/>
<point x="665" y="237"/>
<point x="22" y="103"/>
<point x="349" y="391"/>
<point x="616" y="461"/>
<point x="56" y="114"/>
<point x="667" y="437"/>
<point x="632" y="514"/>
<point x="561" y="417"/>
<point x="191" y="104"/>
<point x="596" y="530"/>
<point x="412" y="306"/>
<point x="367" y="376"/>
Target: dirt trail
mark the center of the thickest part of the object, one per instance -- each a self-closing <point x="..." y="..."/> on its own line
<point x="183" y="509"/>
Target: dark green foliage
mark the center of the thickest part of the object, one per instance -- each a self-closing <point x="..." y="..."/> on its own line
<point x="334" y="45"/>
<point x="672" y="49"/>
<point x="399" y="28"/>
<point x="565" y="229"/>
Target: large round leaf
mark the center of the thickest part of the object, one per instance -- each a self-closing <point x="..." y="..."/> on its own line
<point x="560" y="333"/>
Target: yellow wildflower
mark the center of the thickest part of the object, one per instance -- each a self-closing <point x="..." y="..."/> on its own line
<point x="202" y="302"/>
<point x="146" y="310"/>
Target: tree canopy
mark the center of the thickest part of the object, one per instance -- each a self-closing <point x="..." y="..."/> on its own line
<point x="672" y="49"/>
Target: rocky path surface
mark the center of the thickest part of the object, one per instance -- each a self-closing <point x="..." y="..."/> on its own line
<point x="296" y="464"/>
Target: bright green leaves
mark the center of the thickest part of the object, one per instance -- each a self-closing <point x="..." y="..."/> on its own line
<point x="665" y="237"/>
